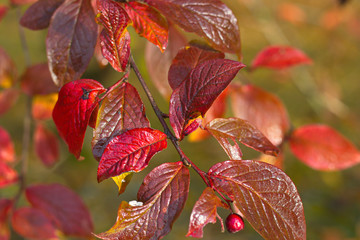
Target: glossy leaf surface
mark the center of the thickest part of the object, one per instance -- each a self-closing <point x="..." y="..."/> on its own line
<point x="265" y="196"/>
<point x="199" y="90"/>
<point x="8" y="97"/>
<point x="279" y="57"/>
<point x="148" y="23"/>
<point x="204" y="212"/>
<point x="43" y="106"/>
<point x="46" y="145"/>
<point x="7" y="152"/>
<point x="121" y="110"/>
<point x="64" y="206"/>
<point x="322" y="148"/>
<point x="71" y="40"/>
<point x="130" y="151"/>
<point x="163" y="194"/>
<point x="210" y="19"/>
<point x="73" y="109"/>
<point x="238" y="129"/>
<point x="262" y="109"/>
<point x="32" y="223"/>
<point x="5" y="207"/>
<point x="38" y="15"/>
<point x="8" y="175"/>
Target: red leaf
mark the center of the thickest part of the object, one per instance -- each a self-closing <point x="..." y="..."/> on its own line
<point x="237" y="129"/>
<point x="46" y="145"/>
<point x="72" y="111"/>
<point x="43" y="105"/>
<point x="130" y="151"/>
<point x="163" y="195"/>
<point x="8" y="97"/>
<point x="7" y="70"/>
<point x="63" y="206"/>
<point x="265" y="196"/>
<point x="148" y="23"/>
<point x="3" y="11"/>
<point x="204" y="212"/>
<point x="38" y="15"/>
<point x="32" y="223"/>
<point x="7" y="153"/>
<point x="71" y="40"/>
<point x="322" y="148"/>
<point x="158" y="63"/>
<point x="279" y="57"/>
<point x="188" y="58"/>
<point x="199" y="90"/>
<point x="210" y="19"/>
<point x="121" y="110"/>
<point x="115" y="39"/>
<point x="37" y="80"/>
<point x="262" y="109"/>
<point x="5" y="207"/>
<point x="8" y="175"/>
<point x="93" y="117"/>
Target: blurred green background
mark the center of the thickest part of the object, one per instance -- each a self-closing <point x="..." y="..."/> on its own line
<point x="325" y="92"/>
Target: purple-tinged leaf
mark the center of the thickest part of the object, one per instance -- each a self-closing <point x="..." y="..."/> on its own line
<point x="46" y="145"/>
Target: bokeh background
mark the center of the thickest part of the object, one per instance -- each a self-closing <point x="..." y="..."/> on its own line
<point x="325" y="92"/>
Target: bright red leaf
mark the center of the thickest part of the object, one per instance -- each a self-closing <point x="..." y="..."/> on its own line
<point x="7" y="152"/>
<point x="71" y="40"/>
<point x="265" y="196"/>
<point x="262" y="109"/>
<point x="114" y="38"/>
<point x="148" y="23"/>
<point x="161" y="197"/>
<point x="3" y="11"/>
<point x="38" y="15"/>
<point x="64" y="207"/>
<point x="33" y="224"/>
<point x="46" y="145"/>
<point x="322" y="148"/>
<point x="188" y="58"/>
<point x="204" y="212"/>
<point x="210" y="19"/>
<point x="121" y="110"/>
<point x="238" y="129"/>
<point x="72" y="111"/>
<point x="130" y="151"/>
<point x="8" y="97"/>
<point x="199" y="90"/>
<point x="8" y="175"/>
<point x="5" y="207"/>
<point x="279" y="57"/>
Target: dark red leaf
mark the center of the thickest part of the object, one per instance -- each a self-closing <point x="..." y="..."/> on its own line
<point x="279" y="57"/>
<point x="5" y="207"/>
<point x="238" y="129"/>
<point x="199" y="90"/>
<point x="8" y="175"/>
<point x="3" y="11"/>
<point x="210" y="19"/>
<point x="188" y="58"/>
<point x="46" y="145"/>
<point x="161" y="197"/>
<point x="114" y="38"/>
<point x="148" y="23"/>
<point x="8" y="97"/>
<point x="64" y="207"/>
<point x="43" y="105"/>
<point x="265" y="196"/>
<point x="33" y="224"/>
<point x="158" y="63"/>
<point x="322" y="148"/>
<point x="38" y="15"/>
<point x="71" y="40"/>
<point x="121" y="110"/>
<point x="37" y="80"/>
<point x="72" y="111"/>
<point x="262" y="109"/>
<point x="130" y="151"/>
<point x="204" y="212"/>
<point x="7" y="153"/>
<point x="93" y="117"/>
<point x="7" y="70"/>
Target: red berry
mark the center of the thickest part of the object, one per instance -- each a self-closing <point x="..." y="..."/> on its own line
<point x="234" y="223"/>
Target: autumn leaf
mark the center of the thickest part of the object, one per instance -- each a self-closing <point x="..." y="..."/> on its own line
<point x="279" y="57"/>
<point x="322" y="148"/>
<point x="161" y="198"/>
<point x="46" y="145"/>
<point x="7" y="70"/>
<point x="3" y="10"/>
<point x="63" y="206"/>
<point x="210" y="19"/>
<point x="43" y="106"/>
<point x="238" y="129"/>
<point x="130" y="151"/>
<point x="71" y="40"/>
<point x="73" y="109"/>
<point x="8" y="97"/>
<point x="199" y="90"/>
<point x="265" y="196"/>
<point x="122" y="181"/>
<point x="148" y="23"/>
<point x="5" y="207"/>
<point x="204" y="212"/>
<point x="7" y="152"/>
<point x="8" y="175"/>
